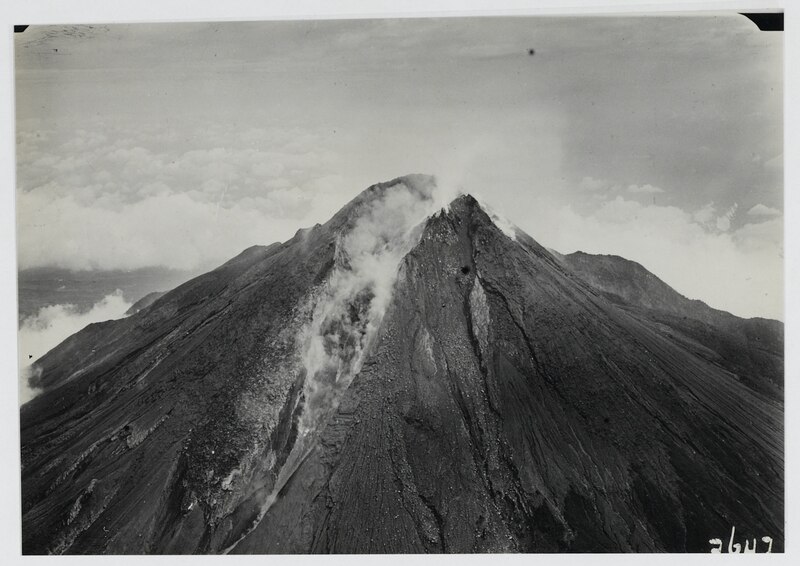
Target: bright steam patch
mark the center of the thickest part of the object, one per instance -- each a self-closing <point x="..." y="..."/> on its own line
<point x="503" y="223"/>
<point x="348" y="311"/>
<point x="40" y="333"/>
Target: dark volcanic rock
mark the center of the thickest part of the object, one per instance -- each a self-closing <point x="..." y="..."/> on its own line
<point x="506" y="402"/>
<point x="752" y="349"/>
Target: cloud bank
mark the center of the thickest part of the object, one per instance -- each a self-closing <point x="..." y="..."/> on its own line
<point x="42" y="332"/>
<point x="127" y="197"/>
<point x="761" y="210"/>
<point x="704" y="254"/>
<point x="182" y="144"/>
<point x="103" y="197"/>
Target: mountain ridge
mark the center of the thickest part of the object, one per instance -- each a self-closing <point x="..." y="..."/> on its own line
<point x="498" y="403"/>
<point x="629" y="283"/>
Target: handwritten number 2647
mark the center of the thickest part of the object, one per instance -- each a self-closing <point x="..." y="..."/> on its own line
<point x="735" y="547"/>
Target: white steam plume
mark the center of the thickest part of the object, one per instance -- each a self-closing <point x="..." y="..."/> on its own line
<point x="504" y="224"/>
<point x="349" y="309"/>
<point x="346" y="312"/>
<point x="40" y="333"/>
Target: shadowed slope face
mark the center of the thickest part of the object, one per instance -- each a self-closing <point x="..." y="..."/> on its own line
<point x="750" y="348"/>
<point x="439" y="389"/>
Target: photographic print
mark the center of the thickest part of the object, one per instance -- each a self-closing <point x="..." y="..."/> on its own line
<point x="491" y="284"/>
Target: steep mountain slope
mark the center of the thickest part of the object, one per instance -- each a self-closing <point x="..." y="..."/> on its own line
<point x="143" y="419"/>
<point x="752" y="348"/>
<point x="145" y="302"/>
<point x="387" y="383"/>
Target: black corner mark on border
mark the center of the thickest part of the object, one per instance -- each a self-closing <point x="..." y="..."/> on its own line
<point x="766" y="21"/>
<point x="20" y="29"/>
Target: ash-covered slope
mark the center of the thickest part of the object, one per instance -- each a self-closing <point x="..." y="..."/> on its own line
<point x="145" y="302"/>
<point x="374" y="385"/>
<point x="750" y="348"/>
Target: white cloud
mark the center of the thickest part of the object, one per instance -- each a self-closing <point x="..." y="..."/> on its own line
<point x="759" y="236"/>
<point x="707" y="217"/>
<point x="174" y="230"/>
<point x="724" y="221"/>
<point x="40" y="333"/>
<point x="762" y="210"/>
<point x="592" y="184"/>
<point x="705" y="214"/>
<point x="645" y="189"/>
<point x="149" y="199"/>
<point x="739" y="270"/>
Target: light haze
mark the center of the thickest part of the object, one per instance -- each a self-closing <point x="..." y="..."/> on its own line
<point x="655" y="138"/>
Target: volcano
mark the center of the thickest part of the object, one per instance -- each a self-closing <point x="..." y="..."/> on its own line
<point x="409" y="378"/>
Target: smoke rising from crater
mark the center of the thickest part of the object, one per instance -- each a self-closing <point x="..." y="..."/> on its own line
<point x="349" y="308"/>
<point x="346" y="312"/>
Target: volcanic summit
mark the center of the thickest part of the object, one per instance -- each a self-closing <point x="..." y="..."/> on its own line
<point x="408" y="378"/>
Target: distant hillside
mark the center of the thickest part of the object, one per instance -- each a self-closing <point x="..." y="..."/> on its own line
<point x="145" y="302"/>
<point x="750" y="348"/>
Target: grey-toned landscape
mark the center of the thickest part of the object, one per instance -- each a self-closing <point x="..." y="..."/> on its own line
<point x="448" y="285"/>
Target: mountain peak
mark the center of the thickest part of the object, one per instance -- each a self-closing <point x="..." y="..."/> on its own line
<point x="418" y="187"/>
<point x="465" y="202"/>
<point x="423" y="195"/>
<point x="405" y="378"/>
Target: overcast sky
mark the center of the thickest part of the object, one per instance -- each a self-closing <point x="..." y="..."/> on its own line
<point x="655" y="138"/>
